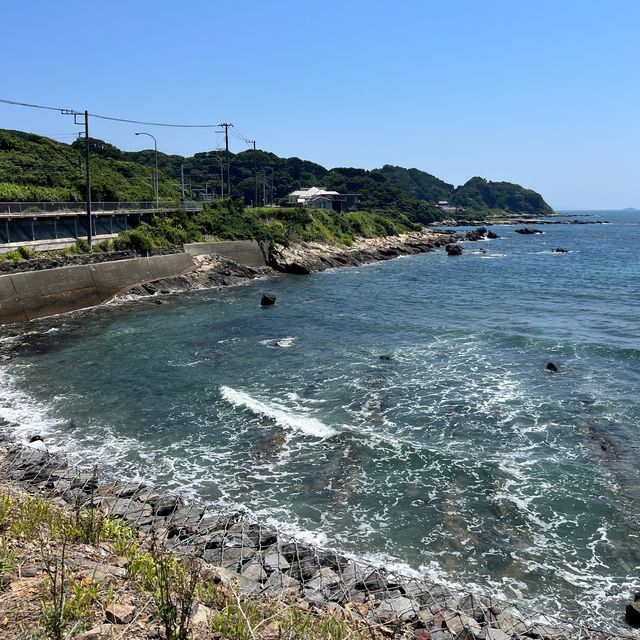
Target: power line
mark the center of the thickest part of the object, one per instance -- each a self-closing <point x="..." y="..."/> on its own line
<point x="113" y="118"/>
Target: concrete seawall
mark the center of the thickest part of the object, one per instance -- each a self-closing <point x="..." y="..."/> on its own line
<point x="35" y="294"/>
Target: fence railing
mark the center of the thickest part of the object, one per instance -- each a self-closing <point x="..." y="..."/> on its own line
<point x="36" y="208"/>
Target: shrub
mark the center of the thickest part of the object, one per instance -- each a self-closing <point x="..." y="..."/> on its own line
<point x="25" y="253"/>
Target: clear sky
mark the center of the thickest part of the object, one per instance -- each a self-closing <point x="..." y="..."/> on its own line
<point x="545" y="93"/>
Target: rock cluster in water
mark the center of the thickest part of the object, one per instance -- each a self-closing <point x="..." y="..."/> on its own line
<point x="262" y="561"/>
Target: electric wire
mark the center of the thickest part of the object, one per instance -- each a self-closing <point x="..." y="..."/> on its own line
<point x="112" y="118"/>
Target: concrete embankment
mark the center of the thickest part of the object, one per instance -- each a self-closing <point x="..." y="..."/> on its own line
<point x="27" y="295"/>
<point x="34" y="294"/>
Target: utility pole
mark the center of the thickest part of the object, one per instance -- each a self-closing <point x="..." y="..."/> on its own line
<point x="255" y="171"/>
<point x="226" y="126"/>
<point x="182" y="178"/>
<point x="87" y="172"/>
<point x="87" y="168"/>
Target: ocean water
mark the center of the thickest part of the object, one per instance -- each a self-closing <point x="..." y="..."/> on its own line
<point x="400" y="412"/>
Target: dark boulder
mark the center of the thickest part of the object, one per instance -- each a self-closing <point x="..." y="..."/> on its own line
<point x="492" y="235"/>
<point x="527" y="231"/>
<point x="267" y="300"/>
<point x="632" y="612"/>
<point x="453" y="250"/>
<point x="560" y="250"/>
<point x="552" y="367"/>
<point x="476" y="234"/>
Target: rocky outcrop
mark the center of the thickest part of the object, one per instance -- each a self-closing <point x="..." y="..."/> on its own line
<point x="453" y="250"/>
<point x="311" y="257"/>
<point x="528" y="231"/>
<point x="209" y="271"/>
<point x="492" y="235"/>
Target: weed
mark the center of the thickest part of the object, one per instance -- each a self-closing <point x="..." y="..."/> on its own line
<point x="54" y="612"/>
<point x="173" y="585"/>
<point x="6" y="511"/>
<point x="29" y="516"/>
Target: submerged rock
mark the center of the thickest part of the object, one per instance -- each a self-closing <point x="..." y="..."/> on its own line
<point x="268" y="300"/>
<point x="551" y="367"/>
<point x="560" y="250"/>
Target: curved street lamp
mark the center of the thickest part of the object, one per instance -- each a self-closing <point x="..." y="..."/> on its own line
<point x="155" y="144"/>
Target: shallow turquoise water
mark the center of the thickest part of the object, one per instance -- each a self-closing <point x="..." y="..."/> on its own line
<point x="456" y="455"/>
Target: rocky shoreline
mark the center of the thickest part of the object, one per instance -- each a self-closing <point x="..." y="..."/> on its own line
<point x="303" y="258"/>
<point x="262" y="562"/>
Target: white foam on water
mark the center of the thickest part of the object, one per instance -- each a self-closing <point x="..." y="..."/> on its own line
<point x="26" y="416"/>
<point x="281" y="415"/>
<point x="281" y="343"/>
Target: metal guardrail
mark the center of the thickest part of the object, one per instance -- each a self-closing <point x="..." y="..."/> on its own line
<point x="48" y="208"/>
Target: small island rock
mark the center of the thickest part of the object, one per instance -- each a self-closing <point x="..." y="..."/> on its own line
<point x="552" y="367"/>
<point x="453" y="250"/>
<point x="527" y="231"/>
<point x="268" y="300"/>
<point x="492" y="235"/>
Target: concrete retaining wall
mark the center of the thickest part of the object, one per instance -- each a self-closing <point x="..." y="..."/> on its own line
<point x="246" y="252"/>
<point x="34" y="294"/>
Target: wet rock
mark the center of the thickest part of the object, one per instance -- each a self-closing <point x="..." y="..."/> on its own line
<point x="453" y="250"/>
<point x="188" y="516"/>
<point x="267" y="300"/>
<point x="119" y="613"/>
<point x="632" y="612"/>
<point x="506" y="622"/>
<point x="460" y="624"/>
<point x="492" y="235"/>
<point x="551" y="367"/>
<point x="372" y="582"/>
<point x="476" y="234"/>
<point x="560" y="250"/>
<point x="527" y="231"/>
<point x="164" y="505"/>
<point x="475" y="606"/>
<point x="401" y="608"/>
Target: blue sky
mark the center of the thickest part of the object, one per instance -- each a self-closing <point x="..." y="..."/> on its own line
<point x="540" y="92"/>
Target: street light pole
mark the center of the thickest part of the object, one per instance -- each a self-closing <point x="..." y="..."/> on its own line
<point x="155" y="144"/>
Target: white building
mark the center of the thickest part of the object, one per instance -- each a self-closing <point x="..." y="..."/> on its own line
<point x="318" y="198"/>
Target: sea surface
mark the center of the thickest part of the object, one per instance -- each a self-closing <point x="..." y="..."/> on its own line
<point x="400" y="412"/>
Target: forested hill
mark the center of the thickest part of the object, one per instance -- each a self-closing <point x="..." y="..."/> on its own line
<point x="33" y="167"/>
<point x="477" y="194"/>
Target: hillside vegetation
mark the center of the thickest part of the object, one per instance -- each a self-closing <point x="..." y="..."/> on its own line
<point x="35" y="168"/>
<point x="227" y="219"/>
